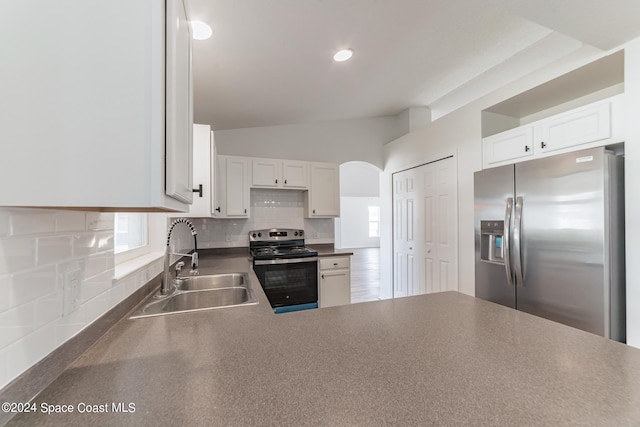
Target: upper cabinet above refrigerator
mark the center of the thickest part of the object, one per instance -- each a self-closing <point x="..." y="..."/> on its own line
<point x="82" y="122"/>
<point x="581" y="109"/>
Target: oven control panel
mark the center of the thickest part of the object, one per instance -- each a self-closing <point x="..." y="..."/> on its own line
<point x="275" y="235"/>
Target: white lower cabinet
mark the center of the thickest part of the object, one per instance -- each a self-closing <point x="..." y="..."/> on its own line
<point x="334" y="285"/>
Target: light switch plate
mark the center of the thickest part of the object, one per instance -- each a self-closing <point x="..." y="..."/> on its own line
<point x="71" y="291"/>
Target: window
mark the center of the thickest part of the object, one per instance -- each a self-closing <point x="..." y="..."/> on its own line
<point x="374" y="221"/>
<point x="130" y="231"/>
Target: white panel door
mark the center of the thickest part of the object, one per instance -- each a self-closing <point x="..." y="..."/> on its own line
<point x="237" y="187"/>
<point x="407" y="279"/>
<point x="424" y="227"/>
<point x="447" y="221"/>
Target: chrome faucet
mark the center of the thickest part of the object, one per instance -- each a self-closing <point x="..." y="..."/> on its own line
<point x="167" y="282"/>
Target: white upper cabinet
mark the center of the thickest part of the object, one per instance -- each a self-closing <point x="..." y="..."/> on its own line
<point x="271" y="173"/>
<point x="323" y="197"/>
<point x="179" y="106"/>
<point x="82" y="122"/>
<point x="588" y="124"/>
<point x="585" y="127"/>
<point x="233" y="187"/>
<point x="510" y="145"/>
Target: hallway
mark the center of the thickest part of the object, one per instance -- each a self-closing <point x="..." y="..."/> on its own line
<point x="365" y="274"/>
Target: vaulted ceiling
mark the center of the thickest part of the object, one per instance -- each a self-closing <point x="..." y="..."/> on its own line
<point x="269" y="62"/>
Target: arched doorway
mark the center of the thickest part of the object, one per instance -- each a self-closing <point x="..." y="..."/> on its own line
<point x="358" y="227"/>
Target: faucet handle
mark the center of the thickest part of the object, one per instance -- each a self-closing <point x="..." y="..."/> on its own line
<point x="179" y="267"/>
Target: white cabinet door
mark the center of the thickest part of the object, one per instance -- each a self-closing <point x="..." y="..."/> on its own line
<point x="236" y="183"/>
<point x="323" y="199"/>
<point x="294" y="174"/>
<point x="335" y="281"/>
<point x="335" y="288"/>
<point x="85" y="127"/>
<point x="266" y="173"/>
<point x="203" y="145"/>
<point x="589" y="124"/>
<point x="179" y="105"/>
<point x="507" y="146"/>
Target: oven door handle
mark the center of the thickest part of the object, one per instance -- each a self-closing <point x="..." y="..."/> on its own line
<point x="284" y="261"/>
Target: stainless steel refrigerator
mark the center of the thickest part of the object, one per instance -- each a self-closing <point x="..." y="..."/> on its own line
<point x="549" y="239"/>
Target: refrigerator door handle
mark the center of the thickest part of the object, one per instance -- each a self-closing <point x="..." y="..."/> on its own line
<point x="506" y="241"/>
<point x="517" y="243"/>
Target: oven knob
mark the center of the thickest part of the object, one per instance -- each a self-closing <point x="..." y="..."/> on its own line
<point x="301" y="232"/>
<point x="295" y="234"/>
<point x="259" y="234"/>
<point x="254" y="234"/>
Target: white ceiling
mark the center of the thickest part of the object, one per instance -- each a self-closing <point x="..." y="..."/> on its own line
<point x="269" y="62"/>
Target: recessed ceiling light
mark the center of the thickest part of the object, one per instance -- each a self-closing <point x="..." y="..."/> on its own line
<point x="201" y="31"/>
<point x="343" y="55"/>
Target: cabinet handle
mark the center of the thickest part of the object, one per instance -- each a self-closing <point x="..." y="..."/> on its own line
<point x="245" y="211"/>
<point x="285" y="181"/>
<point x="335" y="263"/>
<point x="198" y="190"/>
<point x="542" y="144"/>
<point x="276" y="180"/>
<point x="218" y="209"/>
<point x="314" y="211"/>
<point x="526" y="148"/>
<point x="323" y="276"/>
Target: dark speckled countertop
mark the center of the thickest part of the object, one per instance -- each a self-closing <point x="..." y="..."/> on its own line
<point x="327" y="250"/>
<point x="439" y="359"/>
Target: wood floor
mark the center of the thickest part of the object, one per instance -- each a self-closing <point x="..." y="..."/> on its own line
<point x="365" y="274"/>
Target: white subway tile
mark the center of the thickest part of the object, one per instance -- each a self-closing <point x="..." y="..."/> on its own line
<point x="5" y="223"/>
<point x="32" y="221"/>
<point x="32" y="284"/>
<point x="94" y="286"/>
<point x="53" y="249"/>
<point x="99" y="221"/>
<point x="17" y="254"/>
<point x="5" y="377"/>
<point x="24" y="353"/>
<point x="70" y="221"/>
<point x="49" y="308"/>
<point x="17" y="322"/>
<point x="98" y="264"/>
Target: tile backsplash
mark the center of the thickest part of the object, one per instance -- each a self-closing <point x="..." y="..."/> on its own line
<point x="269" y="209"/>
<point x="38" y="248"/>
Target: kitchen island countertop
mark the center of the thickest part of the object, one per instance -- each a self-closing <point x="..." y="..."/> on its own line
<point x="438" y="359"/>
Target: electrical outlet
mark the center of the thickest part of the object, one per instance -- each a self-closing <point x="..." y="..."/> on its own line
<point x="71" y="292"/>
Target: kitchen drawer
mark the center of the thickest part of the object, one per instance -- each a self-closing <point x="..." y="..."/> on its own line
<point x="334" y="263"/>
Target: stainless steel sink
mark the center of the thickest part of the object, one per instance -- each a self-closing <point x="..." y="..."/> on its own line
<point x="198" y="293"/>
<point x="213" y="281"/>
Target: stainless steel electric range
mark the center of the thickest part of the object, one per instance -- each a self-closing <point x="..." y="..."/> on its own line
<point x="286" y="268"/>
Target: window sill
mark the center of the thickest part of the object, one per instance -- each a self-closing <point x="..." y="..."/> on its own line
<point x="123" y="269"/>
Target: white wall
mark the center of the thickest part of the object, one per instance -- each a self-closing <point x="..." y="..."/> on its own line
<point x="632" y="196"/>
<point x="334" y="141"/>
<point x="354" y="222"/>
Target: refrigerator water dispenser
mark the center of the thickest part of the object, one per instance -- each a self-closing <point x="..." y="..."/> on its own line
<point x="491" y="241"/>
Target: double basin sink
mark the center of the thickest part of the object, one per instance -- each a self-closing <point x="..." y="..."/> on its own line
<point x="198" y="293"/>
